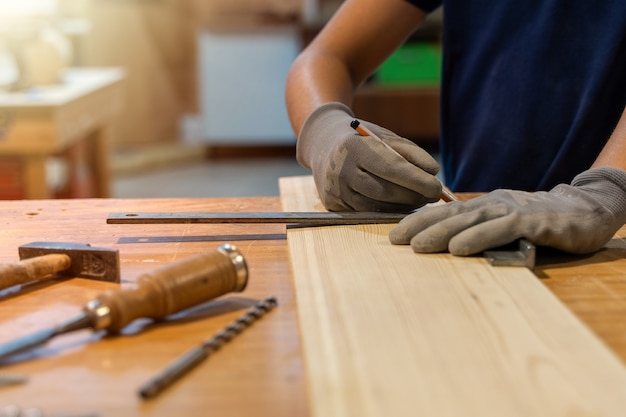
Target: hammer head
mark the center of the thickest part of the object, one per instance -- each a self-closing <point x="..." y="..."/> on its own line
<point x="101" y="264"/>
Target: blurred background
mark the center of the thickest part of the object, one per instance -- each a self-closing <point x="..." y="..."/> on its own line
<point x="175" y="98"/>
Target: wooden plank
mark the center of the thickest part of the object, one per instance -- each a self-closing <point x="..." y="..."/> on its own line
<point x="389" y="332"/>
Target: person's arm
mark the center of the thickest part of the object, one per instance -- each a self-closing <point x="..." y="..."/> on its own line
<point x="382" y="172"/>
<point x="359" y="37"/>
<point x="614" y="152"/>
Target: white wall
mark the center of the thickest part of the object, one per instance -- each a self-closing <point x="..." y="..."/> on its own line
<point x="242" y="85"/>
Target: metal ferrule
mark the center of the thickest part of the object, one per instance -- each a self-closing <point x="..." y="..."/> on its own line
<point x="99" y="313"/>
<point x="239" y="263"/>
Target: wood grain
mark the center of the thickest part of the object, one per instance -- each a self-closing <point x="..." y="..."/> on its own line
<point x="389" y="332"/>
<point x="259" y="373"/>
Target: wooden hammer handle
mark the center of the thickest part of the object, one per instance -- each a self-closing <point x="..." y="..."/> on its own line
<point x="32" y="269"/>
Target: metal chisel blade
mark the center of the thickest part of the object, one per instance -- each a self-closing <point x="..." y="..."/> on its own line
<point x="312" y="218"/>
<point x="26" y="343"/>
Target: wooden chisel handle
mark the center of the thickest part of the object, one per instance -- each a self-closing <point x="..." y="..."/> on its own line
<point x="32" y="269"/>
<point x="171" y="289"/>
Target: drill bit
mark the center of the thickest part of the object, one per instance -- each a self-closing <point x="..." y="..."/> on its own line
<point x="157" y="295"/>
<point x="195" y="356"/>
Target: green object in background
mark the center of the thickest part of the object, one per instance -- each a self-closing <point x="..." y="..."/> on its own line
<point x="412" y="64"/>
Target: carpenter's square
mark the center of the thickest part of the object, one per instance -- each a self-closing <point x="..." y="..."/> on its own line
<point x="523" y="254"/>
<point x="311" y="218"/>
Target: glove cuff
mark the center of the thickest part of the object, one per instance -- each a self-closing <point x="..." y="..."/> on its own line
<point x="315" y="123"/>
<point x="610" y="183"/>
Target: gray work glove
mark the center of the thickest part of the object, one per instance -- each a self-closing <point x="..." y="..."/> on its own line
<point x="577" y="218"/>
<point x="360" y="173"/>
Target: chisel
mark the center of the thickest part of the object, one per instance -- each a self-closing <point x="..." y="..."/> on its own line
<point x="157" y="295"/>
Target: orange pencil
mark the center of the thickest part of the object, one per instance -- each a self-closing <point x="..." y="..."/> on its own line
<point x="446" y="195"/>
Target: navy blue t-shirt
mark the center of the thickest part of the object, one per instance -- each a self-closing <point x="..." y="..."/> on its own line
<point x="531" y="90"/>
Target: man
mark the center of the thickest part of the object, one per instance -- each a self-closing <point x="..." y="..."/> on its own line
<point x="533" y="96"/>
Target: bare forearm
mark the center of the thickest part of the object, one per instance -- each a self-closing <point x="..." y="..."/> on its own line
<point x="315" y="79"/>
<point x="337" y="62"/>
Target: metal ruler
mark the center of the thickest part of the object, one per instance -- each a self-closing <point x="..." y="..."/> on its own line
<point x="312" y="218"/>
<point x="522" y="253"/>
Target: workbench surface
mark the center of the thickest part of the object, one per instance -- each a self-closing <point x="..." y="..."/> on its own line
<point x="261" y="371"/>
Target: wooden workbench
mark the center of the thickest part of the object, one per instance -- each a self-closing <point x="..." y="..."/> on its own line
<point x="261" y="372"/>
<point x="70" y="120"/>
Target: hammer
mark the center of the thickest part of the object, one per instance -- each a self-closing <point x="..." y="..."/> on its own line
<point x="38" y="260"/>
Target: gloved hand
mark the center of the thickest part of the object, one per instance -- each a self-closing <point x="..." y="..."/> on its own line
<point x="577" y="218"/>
<point x="360" y="173"/>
